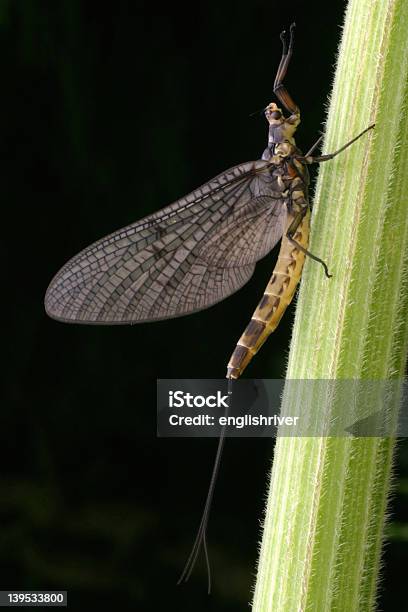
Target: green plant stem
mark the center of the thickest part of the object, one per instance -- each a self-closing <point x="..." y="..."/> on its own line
<point x="323" y="529"/>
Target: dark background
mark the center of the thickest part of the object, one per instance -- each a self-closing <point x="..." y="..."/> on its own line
<point x="109" y="113"/>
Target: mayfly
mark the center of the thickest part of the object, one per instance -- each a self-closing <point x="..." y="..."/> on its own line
<point x="204" y="247"/>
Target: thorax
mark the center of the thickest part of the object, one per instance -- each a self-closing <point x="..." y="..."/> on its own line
<point x="283" y="164"/>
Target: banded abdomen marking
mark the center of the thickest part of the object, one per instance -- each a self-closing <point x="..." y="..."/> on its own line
<point x="277" y="296"/>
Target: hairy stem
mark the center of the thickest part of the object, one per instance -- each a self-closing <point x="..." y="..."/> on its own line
<point x="326" y="507"/>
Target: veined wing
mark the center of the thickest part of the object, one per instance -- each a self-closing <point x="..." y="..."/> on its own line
<point x="183" y="258"/>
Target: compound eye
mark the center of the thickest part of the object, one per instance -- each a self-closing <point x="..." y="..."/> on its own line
<point x="275" y="115"/>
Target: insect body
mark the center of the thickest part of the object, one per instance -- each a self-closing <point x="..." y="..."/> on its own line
<point x="291" y="181"/>
<point x="277" y="296"/>
<point x="204" y="247"/>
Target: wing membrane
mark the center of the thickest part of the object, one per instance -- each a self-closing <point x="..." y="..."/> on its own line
<point x="183" y="258"/>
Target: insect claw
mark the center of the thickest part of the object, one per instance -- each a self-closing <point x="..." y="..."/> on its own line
<point x="326" y="269"/>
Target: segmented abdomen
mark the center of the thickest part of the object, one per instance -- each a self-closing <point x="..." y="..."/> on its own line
<point x="277" y="296"/>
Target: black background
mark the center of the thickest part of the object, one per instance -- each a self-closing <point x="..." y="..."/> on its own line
<point x="111" y="111"/>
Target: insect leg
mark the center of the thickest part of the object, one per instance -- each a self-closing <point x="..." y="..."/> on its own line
<point x="291" y="232"/>
<point x="278" y="87"/>
<point x="316" y="144"/>
<point x="310" y="159"/>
